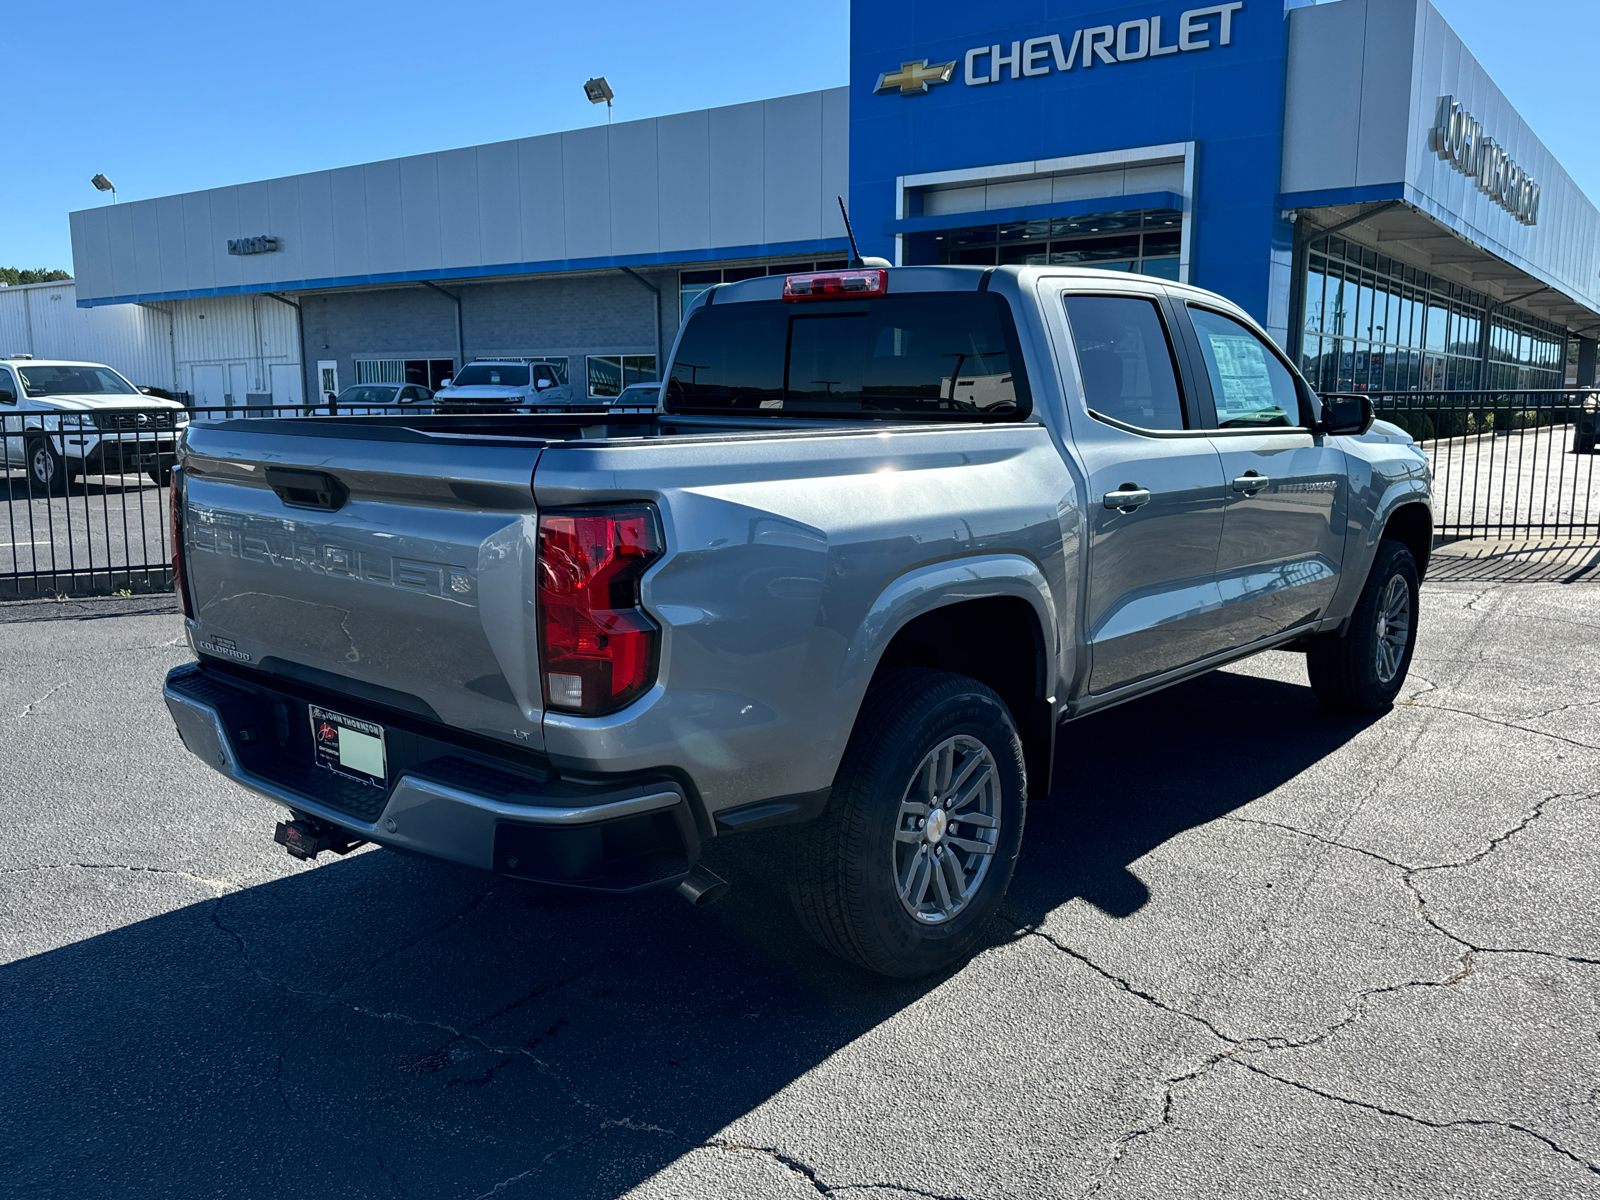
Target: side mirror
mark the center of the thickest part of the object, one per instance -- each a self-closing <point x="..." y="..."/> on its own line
<point x="540" y="385"/>
<point x="7" y="396"/>
<point x="446" y="382"/>
<point x="1345" y="415"/>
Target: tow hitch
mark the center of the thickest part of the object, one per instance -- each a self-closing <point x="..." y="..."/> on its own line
<point x="305" y="838"/>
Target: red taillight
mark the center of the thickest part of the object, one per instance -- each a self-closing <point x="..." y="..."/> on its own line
<point x="836" y="285"/>
<point x="598" y="648"/>
<point x="175" y="521"/>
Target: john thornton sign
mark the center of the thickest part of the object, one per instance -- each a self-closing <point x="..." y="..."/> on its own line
<point x="1459" y="140"/>
<point x="1107" y="45"/>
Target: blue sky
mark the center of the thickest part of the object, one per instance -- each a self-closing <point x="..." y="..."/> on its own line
<point x="185" y="95"/>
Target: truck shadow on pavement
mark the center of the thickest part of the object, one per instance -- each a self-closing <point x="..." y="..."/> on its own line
<point x="386" y="1026"/>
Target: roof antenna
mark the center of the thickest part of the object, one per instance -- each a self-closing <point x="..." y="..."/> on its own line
<point x="855" y="253"/>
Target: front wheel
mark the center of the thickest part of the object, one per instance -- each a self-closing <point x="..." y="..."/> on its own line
<point x="47" y="470"/>
<point x="916" y="847"/>
<point x="1363" y="671"/>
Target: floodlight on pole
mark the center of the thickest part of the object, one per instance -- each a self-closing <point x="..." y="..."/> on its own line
<point x="597" y="89"/>
<point x="105" y="185"/>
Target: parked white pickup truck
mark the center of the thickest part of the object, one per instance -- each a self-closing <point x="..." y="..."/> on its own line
<point x="501" y="386"/>
<point x="62" y="419"/>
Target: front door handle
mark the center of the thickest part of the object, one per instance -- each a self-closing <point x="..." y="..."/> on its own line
<point x="1127" y="498"/>
<point x="1250" y="483"/>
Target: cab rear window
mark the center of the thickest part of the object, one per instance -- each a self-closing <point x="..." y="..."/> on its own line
<point x="934" y="355"/>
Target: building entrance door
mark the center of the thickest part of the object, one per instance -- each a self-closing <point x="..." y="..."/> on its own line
<point x="285" y="385"/>
<point x="327" y="380"/>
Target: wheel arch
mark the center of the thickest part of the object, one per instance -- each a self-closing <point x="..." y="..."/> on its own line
<point x="1411" y="524"/>
<point x="993" y="620"/>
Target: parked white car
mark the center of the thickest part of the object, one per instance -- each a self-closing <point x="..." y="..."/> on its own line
<point x="643" y="396"/>
<point x="383" y="399"/>
<point x="63" y="419"/>
<point x="503" y="385"/>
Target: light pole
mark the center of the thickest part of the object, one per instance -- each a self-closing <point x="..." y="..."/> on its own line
<point x="105" y="185"/>
<point x="597" y="89"/>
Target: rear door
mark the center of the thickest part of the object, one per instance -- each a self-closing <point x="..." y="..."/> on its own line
<point x="1288" y="489"/>
<point x="1152" y="595"/>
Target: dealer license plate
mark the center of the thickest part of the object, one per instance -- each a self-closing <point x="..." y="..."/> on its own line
<point x="349" y="746"/>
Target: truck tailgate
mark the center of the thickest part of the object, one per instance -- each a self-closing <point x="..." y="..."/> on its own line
<point x="403" y="582"/>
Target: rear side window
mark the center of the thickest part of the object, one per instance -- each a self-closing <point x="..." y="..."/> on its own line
<point x="1126" y="360"/>
<point x="1252" y="388"/>
<point x="950" y="355"/>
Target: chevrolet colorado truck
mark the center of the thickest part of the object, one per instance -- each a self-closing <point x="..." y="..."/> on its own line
<point x="889" y="529"/>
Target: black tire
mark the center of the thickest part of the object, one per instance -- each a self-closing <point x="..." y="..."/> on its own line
<point x="47" y="470"/>
<point x="1583" y="444"/>
<point x="1346" y="672"/>
<point x="846" y="864"/>
<point x="160" y="476"/>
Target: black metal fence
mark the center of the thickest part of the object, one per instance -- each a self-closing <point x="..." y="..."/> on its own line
<point x="86" y="494"/>
<point x="1506" y="464"/>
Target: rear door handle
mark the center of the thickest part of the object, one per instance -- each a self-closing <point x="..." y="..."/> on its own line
<point x="1126" y="499"/>
<point x="1250" y="483"/>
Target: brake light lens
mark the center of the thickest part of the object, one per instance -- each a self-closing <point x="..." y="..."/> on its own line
<point x="836" y="285"/>
<point x="598" y="648"/>
<point x="175" y="523"/>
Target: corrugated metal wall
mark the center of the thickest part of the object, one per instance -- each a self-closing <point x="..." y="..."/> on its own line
<point x="250" y="333"/>
<point x="253" y="340"/>
<point x="44" y="320"/>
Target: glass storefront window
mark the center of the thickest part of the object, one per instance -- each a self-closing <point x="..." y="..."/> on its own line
<point x="1145" y="242"/>
<point x="1372" y="323"/>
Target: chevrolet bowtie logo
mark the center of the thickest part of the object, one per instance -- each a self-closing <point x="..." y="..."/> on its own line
<point x="914" y="77"/>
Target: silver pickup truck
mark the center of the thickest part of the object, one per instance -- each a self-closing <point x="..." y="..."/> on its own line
<point x="890" y="528"/>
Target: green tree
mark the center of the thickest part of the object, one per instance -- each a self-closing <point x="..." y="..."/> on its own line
<point x="15" y="275"/>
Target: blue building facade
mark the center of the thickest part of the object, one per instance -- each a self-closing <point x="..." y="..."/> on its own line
<point x="1068" y="100"/>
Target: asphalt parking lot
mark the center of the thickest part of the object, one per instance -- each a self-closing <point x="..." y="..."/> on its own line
<point x="1251" y="950"/>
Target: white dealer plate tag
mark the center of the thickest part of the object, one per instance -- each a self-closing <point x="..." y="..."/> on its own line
<point x="349" y="746"/>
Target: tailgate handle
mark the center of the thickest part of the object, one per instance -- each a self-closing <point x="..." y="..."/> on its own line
<point x="307" y="489"/>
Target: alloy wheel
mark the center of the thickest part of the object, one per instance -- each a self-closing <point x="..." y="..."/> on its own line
<point x="947" y="829"/>
<point x="1394" y="628"/>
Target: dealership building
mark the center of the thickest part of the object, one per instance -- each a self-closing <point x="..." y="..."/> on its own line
<point x="1346" y="171"/>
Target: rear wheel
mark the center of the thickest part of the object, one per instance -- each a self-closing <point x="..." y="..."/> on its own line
<point x="916" y="847"/>
<point x="160" y="476"/>
<point x="1363" y="671"/>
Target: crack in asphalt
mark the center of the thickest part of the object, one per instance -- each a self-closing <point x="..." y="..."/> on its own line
<point x="467" y="1034"/>
<point x="1467" y="712"/>
<point x="283" y="1098"/>
<point x="27" y="709"/>
<point x="788" y="1161"/>
<point x="1458" y="1123"/>
<point x="1250" y="1046"/>
<point x="476" y="904"/>
<point x="222" y="886"/>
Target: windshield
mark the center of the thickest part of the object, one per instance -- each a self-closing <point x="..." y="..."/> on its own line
<point x="74" y="381"/>
<point x="930" y="354"/>
<point x="366" y="393"/>
<point x="492" y="374"/>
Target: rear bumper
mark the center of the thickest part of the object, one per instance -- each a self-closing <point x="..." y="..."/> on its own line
<point x="455" y="806"/>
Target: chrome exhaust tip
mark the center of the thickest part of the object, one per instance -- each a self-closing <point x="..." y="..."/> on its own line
<point x="702" y="887"/>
